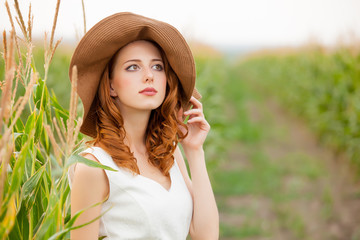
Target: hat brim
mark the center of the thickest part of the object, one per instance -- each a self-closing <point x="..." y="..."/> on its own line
<point x="104" y="39"/>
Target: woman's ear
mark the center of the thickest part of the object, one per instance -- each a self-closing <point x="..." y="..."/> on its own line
<point x="112" y="91"/>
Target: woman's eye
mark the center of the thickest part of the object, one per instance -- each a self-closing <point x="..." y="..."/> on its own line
<point x="158" y="67"/>
<point x="132" y="67"/>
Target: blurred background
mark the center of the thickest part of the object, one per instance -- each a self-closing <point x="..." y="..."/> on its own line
<point x="280" y="81"/>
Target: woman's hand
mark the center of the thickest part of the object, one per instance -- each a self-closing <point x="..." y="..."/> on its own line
<point x="205" y="220"/>
<point x="198" y="127"/>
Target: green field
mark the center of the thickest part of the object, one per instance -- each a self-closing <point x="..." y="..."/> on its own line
<point x="281" y="152"/>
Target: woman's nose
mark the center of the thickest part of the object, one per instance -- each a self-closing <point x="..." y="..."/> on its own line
<point x="149" y="76"/>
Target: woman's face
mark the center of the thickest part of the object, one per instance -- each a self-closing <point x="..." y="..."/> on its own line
<point x="138" y="80"/>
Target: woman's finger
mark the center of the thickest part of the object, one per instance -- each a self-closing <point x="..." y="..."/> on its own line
<point x="196" y="103"/>
<point x="196" y="119"/>
<point x="194" y="111"/>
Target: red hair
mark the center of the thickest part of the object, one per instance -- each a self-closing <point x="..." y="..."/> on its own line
<point x="162" y="133"/>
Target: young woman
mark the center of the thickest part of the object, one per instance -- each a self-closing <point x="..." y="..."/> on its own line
<point x="136" y="79"/>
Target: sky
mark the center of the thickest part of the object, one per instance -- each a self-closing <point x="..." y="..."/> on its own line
<point x="221" y="23"/>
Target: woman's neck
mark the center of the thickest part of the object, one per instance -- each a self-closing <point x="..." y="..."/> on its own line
<point x="135" y="124"/>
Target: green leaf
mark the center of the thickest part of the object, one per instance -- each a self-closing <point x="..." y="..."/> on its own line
<point x="60" y="112"/>
<point x="18" y="169"/>
<point x="38" y="95"/>
<point x="44" y="139"/>
<point x="31" y="187"/>
<point x="39" y="125"/>
<point x="75" y="158"/>
<point x="8" y="221"/>
<point x="16" y="135"/>
<point x="40" y="157"/>
<point x="29" y="125"/>
<point x="47" y="226"/>
<point x="19" y="125"/>
<point x="55" y="104"/>
<point x="70" y="223"/>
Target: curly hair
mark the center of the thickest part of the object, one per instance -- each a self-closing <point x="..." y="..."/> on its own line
<point x="162" y="133"/>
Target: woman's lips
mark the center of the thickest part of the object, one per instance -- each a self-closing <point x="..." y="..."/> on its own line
<point x="148" y="91"/>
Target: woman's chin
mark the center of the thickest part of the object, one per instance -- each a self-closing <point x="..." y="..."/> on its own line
<point x="152" y="105"/>
<point x="149" y="106"/>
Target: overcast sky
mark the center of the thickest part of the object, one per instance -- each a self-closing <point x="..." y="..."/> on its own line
<point x="222" y="23"/>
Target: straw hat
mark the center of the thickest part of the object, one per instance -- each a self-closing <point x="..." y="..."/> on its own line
<point x="104" y="39"/>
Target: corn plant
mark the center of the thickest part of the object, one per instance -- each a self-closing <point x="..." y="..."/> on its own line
<point x="319" y="85"/>
<point x="39" y="139"/>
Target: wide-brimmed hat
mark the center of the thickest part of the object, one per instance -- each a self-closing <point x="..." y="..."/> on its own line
<point x="104" y="39"/>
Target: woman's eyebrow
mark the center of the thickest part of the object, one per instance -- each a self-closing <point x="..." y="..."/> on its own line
<point x="132" y="60"/>
<point x="138" y="60"/>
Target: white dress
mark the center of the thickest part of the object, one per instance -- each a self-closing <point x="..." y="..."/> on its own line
<point x="141" y="208"/>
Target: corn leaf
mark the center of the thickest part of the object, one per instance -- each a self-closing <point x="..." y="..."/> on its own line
<point x="75" y="158"/>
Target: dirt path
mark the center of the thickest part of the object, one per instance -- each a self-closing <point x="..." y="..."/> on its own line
<point x="286" y="186"/>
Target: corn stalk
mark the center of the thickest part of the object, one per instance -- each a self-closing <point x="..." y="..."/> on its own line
<point x="37" y="137"/>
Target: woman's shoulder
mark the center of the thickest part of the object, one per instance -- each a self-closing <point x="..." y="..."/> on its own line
<point x="83" y="170"/>
<point x="98" y="154"/>
<point x="85" y="176"/>
<point x="94" y="153"/>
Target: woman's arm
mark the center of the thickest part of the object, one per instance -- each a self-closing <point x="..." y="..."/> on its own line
<point x="89" y="186"/>
<point x="201" y="206"/>
<point x="205" y="221"/>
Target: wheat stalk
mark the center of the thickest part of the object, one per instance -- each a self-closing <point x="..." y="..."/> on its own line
<point x="53" y="50"/>
<point x="20" y="20"/>
<point x="10" y="16"/>
<point x="17" y="104"/>
<point x="49" y="52"/>
<point x="6" y="97"/>
<point x="5" y="49"/>
<point x="14" y="32"/>
<point x="30" y="23"/>
<point x="56" y="147"/>
<point x="6" y="149"/>
<point x="84" y="17"/>
<point x="54" y="24"/>
<point x="58" y="132"/>
<point x="72" y="112"/>
<point x="77" y="130"/>
<point x="74" y="99"/>
<point x="5" y="58"/>
<point x="9" y="76"/>
<point x="10" y="53"/>
<point x="25" y="98"/>
<point x="27" y="68"/>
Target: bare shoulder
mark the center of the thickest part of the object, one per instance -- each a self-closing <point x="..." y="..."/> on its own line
<point x="82" y="170"/>
<point x="90" y="179"/>
<point x="89" y="187"/>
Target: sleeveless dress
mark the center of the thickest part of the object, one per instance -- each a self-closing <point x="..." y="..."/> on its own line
<point x="141" y="208"/>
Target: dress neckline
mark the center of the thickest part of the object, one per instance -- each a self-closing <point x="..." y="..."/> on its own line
<point x="157" y="183"/>
<point x="150" y="180"/>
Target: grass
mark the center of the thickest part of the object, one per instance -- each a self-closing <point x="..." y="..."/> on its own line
<point x="248" y="230"/>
